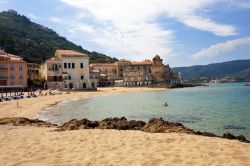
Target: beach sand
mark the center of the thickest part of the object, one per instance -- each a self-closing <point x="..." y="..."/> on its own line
<point x="30" y="107"/>
<point x="44" y="146"/>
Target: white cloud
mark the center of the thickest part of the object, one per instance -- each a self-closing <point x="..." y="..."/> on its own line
<point x="57" y="20"/>
<point x="207" y="24"/>
<point x="3" y="1"/>
<point x="131" y="26"/>
<point x="242" y="3"/>
<point x="221" y="48"/>
<point x="34" y="17"/>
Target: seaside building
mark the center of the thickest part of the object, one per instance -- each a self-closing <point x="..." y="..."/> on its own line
<point x="120" y="65"/>
<point x="163" y="73"/>
<point x="138" y="74"/>
<point x="51" y="70"/>
<point x="107" y="73"/>
<point x="68" y="69"/>
<point x="34" y="71"/>
<point x="13" y="71"/>
<point x="158" y="69"/>
<point x="142" y="73"/>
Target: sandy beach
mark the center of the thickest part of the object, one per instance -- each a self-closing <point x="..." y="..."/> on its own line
<point x="44" y="146"/>
<point x="41" y="146"/>
<point x="30" y="107"/>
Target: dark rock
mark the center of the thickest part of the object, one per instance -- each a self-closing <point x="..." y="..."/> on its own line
<point x="198" y="133"/>
<point x="153" y="126"/>
<point x="160" y="126"/>
<point x="75" y="124"/>
<point x="20" y="121"/>
<point x="228" y="136"/>
<point x="120" y="124"/>
<point x="241" y="137"/>
<point x="208" y="134"/>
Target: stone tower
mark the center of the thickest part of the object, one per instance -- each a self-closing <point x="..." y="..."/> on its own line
<point x="158" y="70"/>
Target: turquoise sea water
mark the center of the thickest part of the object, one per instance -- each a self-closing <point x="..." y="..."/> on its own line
<point x="218" y="108"/>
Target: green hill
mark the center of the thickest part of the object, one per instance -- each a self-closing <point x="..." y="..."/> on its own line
<point x="34" y="42"/>
<point x="238" y="69"/>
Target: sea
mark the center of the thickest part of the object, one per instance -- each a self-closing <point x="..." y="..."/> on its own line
<point x="216" y="108"/>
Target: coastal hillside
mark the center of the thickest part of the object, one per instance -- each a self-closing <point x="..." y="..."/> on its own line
<point x="238" y="69"/>
<point x="34" y="42"/>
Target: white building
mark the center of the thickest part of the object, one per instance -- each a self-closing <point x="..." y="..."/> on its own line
<point x="74" y="70"/>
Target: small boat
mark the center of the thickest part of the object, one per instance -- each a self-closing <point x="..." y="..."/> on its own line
<point x="165" y="104"/>
<point x="247" y="85"/>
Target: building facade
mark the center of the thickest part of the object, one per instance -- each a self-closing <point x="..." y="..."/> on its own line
<point x="138" y="74"/>
<point x="52" y="70"/>
<point x="142" y="73"/>
<point x="13" y="70"/>
<point x="108" y="69"/>
<point x="68" y="69"/>
<point x="34" y="71"/>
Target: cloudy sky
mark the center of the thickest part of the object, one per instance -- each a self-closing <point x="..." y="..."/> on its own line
<point x="182" y="32"/>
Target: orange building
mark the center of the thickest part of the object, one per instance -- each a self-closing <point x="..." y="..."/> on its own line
<point x="13" y="71"/>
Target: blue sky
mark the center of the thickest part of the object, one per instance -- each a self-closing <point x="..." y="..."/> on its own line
<point x="182" y="33"/>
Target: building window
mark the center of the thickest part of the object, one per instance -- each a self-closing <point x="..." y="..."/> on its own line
<point x="55" y="67"/>
<point x="69" y="77"/>
<point x="82" y="77"/>
<point x="12" y="67"/>
<point x="12" y="76"/>
<point x="20" y="76"/>
<point x="2" y="76"/>
<point x="73" y="65"/>
<point x="20" y="67"/>
<point x="65" y="65"/>
<point x="81" y="65"/>
<point x="69" y="65"/>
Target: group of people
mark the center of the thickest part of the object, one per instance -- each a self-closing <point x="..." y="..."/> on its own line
<point x="16" y="95"/>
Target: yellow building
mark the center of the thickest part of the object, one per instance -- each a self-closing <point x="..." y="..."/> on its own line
<point x="68" y="69"/>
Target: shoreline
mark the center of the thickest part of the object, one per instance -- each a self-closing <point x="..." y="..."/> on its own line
<point x="29" y="145"/>
<point x="29" y="108"/>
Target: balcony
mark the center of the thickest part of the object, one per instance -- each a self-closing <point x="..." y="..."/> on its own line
<point x="3" y="77"/>
<point x="51" y="69"/>
<point x="3" y="68"/>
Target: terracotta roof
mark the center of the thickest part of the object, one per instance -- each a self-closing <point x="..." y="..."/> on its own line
<point x="11" y="57"/>
<point x="69" y="52"/>
<point x="55" y="58"/>
<point x="146" y="62"/>
<point x="102" y="64"/>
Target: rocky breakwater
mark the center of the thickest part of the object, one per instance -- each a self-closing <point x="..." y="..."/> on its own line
<point x="153" y="126"/>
